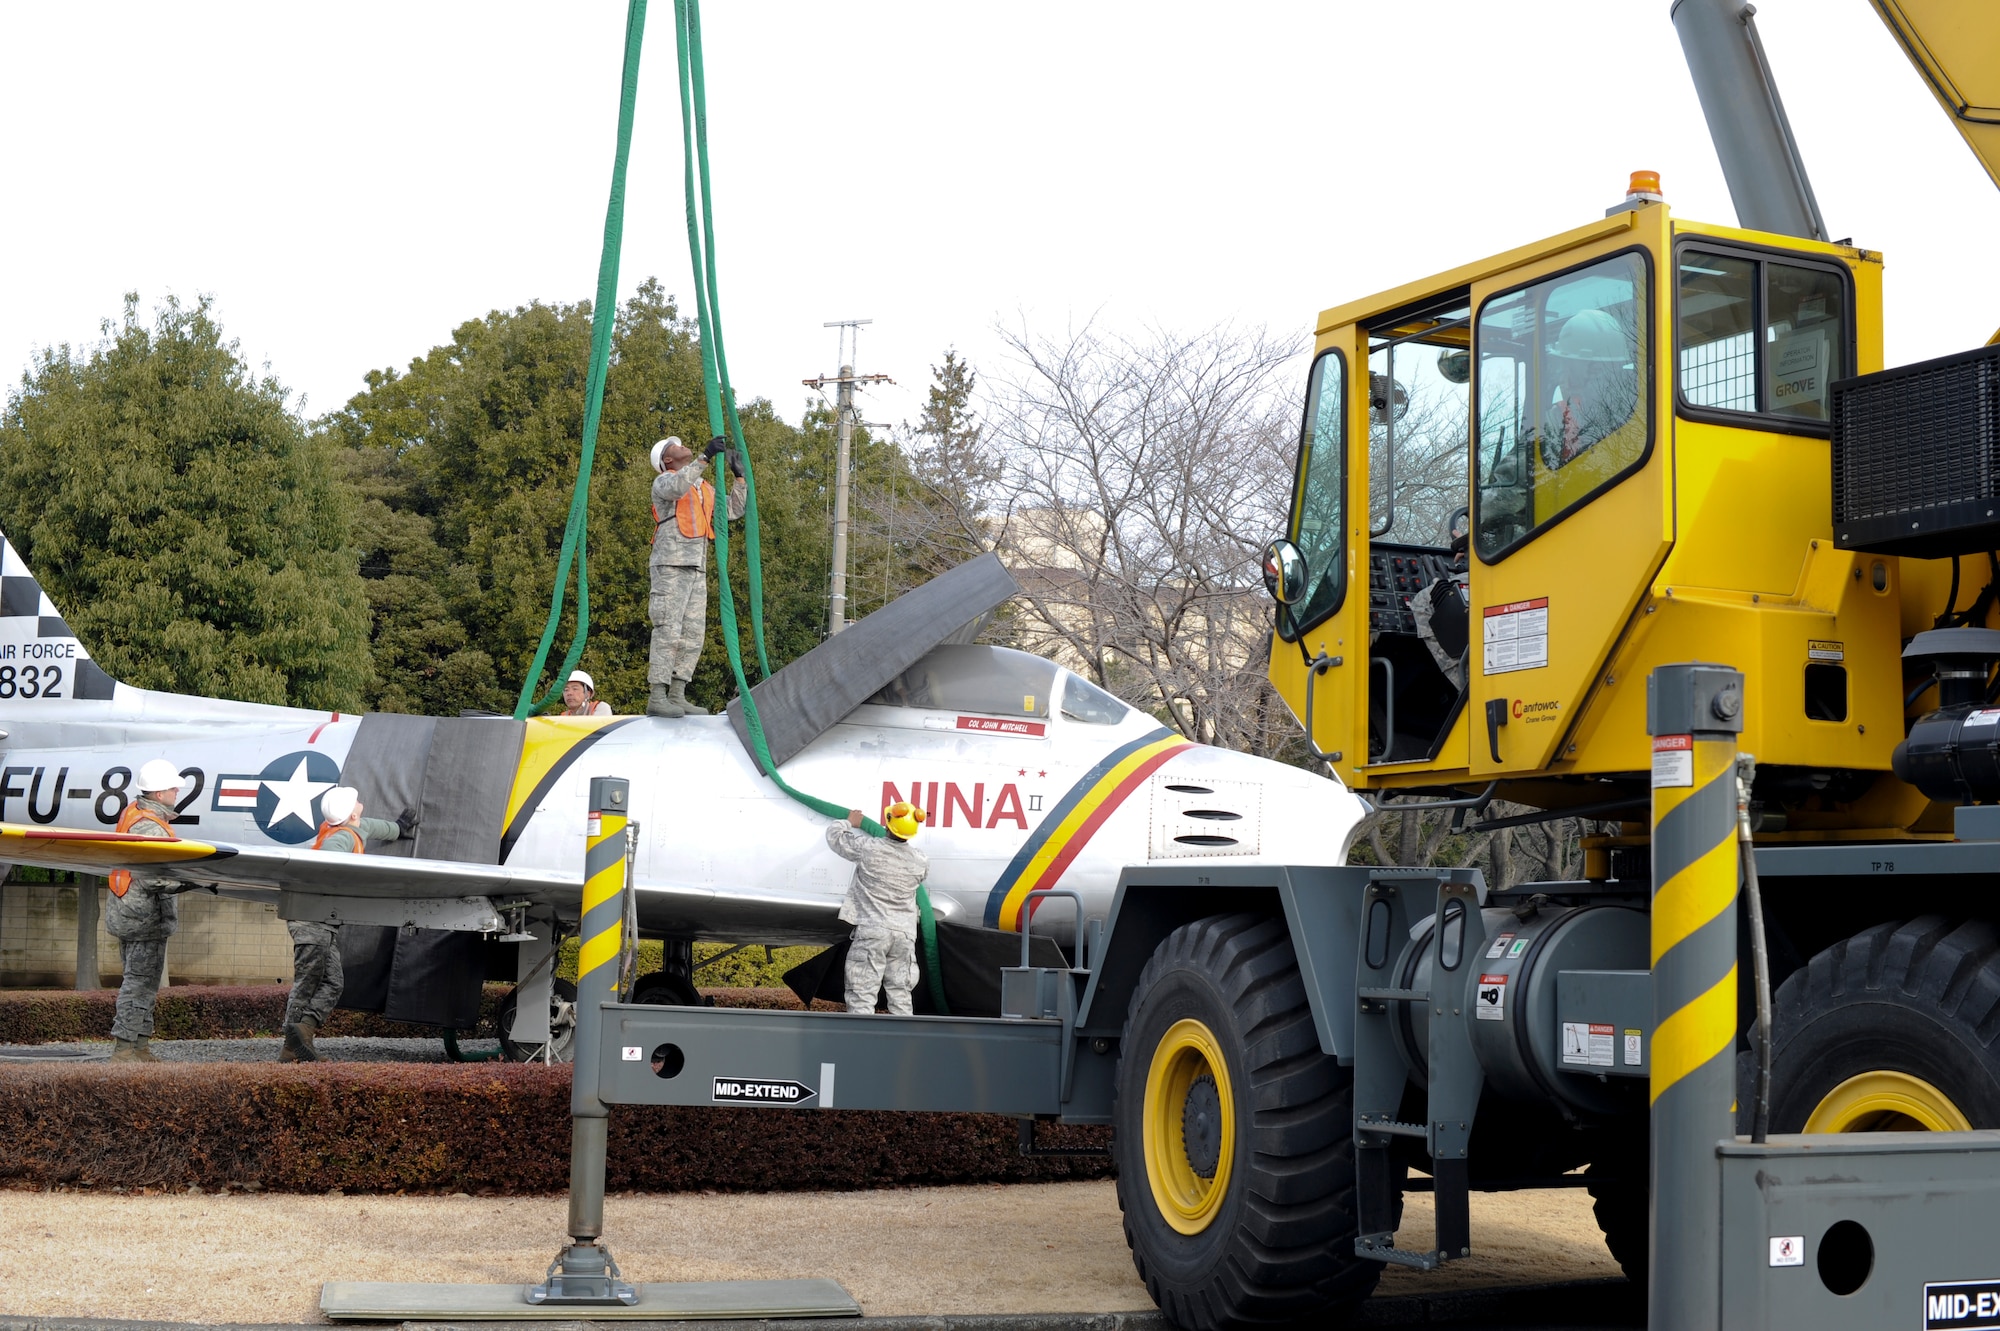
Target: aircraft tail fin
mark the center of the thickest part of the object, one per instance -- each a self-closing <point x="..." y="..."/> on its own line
<point x="41" y="661"/>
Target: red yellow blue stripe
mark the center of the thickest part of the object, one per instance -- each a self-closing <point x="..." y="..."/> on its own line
<point x="1069" y="826"/>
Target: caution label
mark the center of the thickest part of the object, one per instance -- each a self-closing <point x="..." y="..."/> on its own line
<point x="1515" y="636"/>
<point x="1819" y="649"/>
<point x="1587" y="1043"/>
<point x="1673" y="761"/>
<point x="1962" y="1303"/>
<point x="1491" y="1001"/>
<point x="743" y="1091"/>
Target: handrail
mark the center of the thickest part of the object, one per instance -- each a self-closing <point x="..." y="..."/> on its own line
<point x="1313" y="668"/>
<point x="1027" y="916"/>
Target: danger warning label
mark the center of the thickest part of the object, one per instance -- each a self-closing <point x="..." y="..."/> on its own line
<point x="1491" y="1001"/>
<point x="1673" y="761"/>
<point x="1587" y="1043"/>
<point x="1515" y="636"/>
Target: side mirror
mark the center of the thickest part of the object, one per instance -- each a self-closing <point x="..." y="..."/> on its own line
<point x="1284" y="572"/>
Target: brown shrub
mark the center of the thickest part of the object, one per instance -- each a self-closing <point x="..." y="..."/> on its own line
<point x="237" y="1012"/>
<point x="481" y="1127"/>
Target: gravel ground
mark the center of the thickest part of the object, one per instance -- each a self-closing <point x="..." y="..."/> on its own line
<point x="341" y="1049"/>
<point x="1041" y="1247"/>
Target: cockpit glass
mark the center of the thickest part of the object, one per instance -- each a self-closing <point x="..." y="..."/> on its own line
<point x="1084" y="701"/>
<point x="998" y="681"/>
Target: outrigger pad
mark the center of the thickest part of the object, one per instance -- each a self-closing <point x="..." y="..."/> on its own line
<point x="805" y="699"/>
<point x="726" y="1300"/>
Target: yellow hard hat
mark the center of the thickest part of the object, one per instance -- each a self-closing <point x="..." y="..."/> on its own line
<point x="902" y="819"/>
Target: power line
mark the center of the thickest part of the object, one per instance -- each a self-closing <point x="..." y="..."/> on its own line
<point x="844" y="420"/>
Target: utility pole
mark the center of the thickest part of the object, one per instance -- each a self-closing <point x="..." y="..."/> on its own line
<point x="844" y="419"/>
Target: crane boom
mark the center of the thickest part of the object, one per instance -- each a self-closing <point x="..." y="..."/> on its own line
<point x="1746" y="119"/>
<point x="1952" y="44"/>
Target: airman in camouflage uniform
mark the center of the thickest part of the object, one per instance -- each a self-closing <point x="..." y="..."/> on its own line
<point x="882" y="906"/>
<point x="143" y="916"/>
<point x="678" y="605"/>
<point x="317" y="976"/>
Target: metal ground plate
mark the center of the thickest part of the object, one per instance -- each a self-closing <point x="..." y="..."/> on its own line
<point x="392" y="1301"/>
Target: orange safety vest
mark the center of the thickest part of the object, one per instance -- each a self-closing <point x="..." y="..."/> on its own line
<point x="328" y="829"/>
<point x="121" y="879"/>
<point x="694" y="513"/>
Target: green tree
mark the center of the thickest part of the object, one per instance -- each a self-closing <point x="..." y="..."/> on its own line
<point x="190" y="526"/>
<point x="956" y="470"/>
<point x="464" y="462"/>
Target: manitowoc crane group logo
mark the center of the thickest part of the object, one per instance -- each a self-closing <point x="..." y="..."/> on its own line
<point x="284" y="797"/>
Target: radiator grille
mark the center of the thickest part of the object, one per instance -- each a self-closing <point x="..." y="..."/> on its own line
<point x="1916" y="458"/>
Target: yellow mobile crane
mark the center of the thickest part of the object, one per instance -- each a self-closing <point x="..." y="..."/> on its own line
<point x="1677" y="444"/>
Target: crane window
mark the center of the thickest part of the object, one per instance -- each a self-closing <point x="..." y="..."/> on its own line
<point x="1319" y="506"/>
<point x="974" y="678"/>
<point x="1561" y="414"/>
<point x="1760" y="336"/>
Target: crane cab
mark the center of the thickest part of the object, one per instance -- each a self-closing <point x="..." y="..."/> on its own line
<point x="1524" y="483"/>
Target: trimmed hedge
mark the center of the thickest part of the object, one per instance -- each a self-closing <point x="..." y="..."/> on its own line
<point x="192" y="1012"/>
<point x="226" y="1012"/>
<point x="482" y="1128"/>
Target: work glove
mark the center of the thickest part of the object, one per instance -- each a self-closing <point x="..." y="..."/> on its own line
<point x="735" y="463"/>
<point x="715" y="445"/>
<point x="406" y="824"/>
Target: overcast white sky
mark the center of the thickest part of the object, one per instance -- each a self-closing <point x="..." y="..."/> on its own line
<point x="351" y="181"/>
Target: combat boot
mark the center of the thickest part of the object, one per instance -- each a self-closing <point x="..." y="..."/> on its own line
<point x="679" y="698"/>
<point x="145" y="1052"/>
<point x="298" y="1046"/>
<point x="125" y="1051"/>
<point x="659" y="703"/>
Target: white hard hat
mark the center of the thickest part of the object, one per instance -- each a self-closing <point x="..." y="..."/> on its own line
<point x="579" y="677"/>
<point x="1593" y="335"/>
<point x="660" y="451"/>
<point x="157" y="775"/>
<point x="337" y="805"/>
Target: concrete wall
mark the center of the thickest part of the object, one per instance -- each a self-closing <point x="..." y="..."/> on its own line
<point x="220" y="941"/>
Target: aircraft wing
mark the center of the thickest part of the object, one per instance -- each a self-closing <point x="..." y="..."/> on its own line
<point x="731" y="915"/>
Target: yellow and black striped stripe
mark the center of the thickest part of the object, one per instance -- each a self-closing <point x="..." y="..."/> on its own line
<point x="603" y="929"/>
<point x="1694" y="916"/>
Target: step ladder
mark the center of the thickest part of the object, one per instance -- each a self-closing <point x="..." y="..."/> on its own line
<point x="1392" y="904"/>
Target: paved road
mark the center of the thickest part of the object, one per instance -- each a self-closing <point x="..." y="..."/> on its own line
<point x="1576" y="1306"/>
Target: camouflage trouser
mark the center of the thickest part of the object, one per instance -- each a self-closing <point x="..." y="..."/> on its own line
<point x="316" y="974"/>
<point x="145" y="963"/>
<point x="678" y="610"/>
<point x="881" y="959"/>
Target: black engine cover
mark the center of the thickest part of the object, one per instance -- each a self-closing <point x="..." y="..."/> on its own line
<point x="1953" y="754"/>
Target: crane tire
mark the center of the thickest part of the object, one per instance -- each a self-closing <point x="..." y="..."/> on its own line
<point x="1267" y="1237"/>
<point x="1896" y="1027"/>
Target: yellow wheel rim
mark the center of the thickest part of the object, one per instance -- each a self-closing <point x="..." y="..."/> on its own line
<point x="1188" y="1052"/>
<point x="1886" y="1102"/>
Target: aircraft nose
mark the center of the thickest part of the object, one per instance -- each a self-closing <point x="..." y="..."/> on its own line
<point x="1301" y="817"/>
